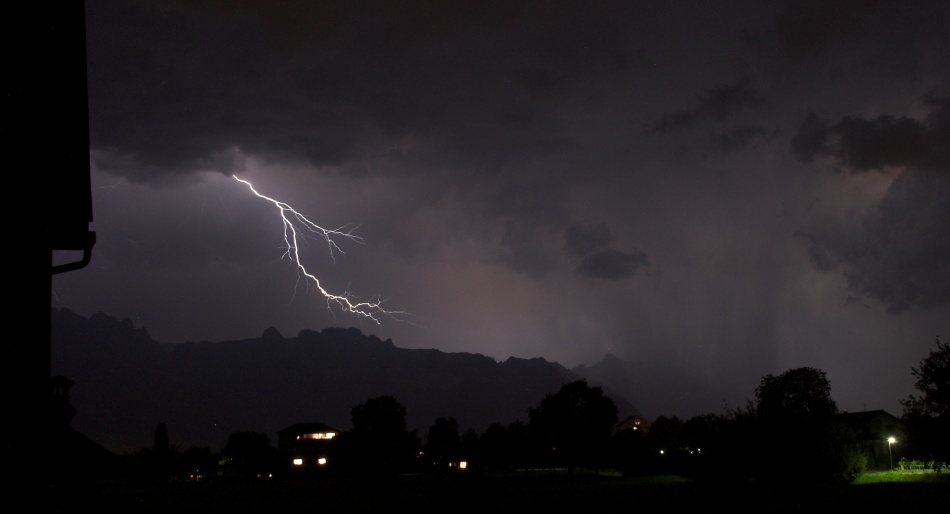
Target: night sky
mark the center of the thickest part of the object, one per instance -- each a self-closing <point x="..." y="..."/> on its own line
<point x="720" y="189"/>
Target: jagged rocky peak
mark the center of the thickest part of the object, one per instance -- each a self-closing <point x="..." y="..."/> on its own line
<point x="271" y="334"/>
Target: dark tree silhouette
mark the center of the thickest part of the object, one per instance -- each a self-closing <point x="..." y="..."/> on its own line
<point x="665" y="433"/>
<point x="163" y="454"/>
<point x="161" y="444"/>
<point x="379" y="442"/>
<point x="249" y="454"/>
<point x="443" y="443"/>
<point x="799" y="437"/>
<point x="665" y="448"/>
<point x="796" y="394"/>
<point x="468" y="445"/>
<point x="196" y="463"/>
<point x="505" y="448"/>
<point x="574" y="425"/>
<point x="927" y="415"/>
<point x="721" y="446"/>
<point x="933" y="382"/>
<point x="630" y="453"/>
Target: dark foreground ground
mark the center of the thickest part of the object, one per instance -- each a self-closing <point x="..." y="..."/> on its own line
<point x="506" y="494"/>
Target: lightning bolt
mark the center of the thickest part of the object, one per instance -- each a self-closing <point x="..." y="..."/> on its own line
<point x="294" y="221"/>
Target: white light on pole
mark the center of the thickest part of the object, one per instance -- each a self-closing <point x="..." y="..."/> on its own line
<point x="890" y="459"/>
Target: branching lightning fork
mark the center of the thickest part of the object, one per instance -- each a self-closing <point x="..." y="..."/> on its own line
<point x="293" y="219"/>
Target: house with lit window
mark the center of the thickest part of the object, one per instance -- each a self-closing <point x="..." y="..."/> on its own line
<point x="881" y="435"/>
<point x="306" y="446"/>
<point x="635" y="423"/>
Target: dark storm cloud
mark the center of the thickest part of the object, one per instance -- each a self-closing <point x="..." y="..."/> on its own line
<point x="584" y="238"/>
<point x="883" y="38"/>
<point x="900" y="255"/>
<point x="807" y="28"/>
<point x="468" y="139"/>
<point x="523" y="250"/>
<point x="175" y="84"/>
<point x="860" y="144"/>
<point x="531" y="211"/>
<point x="810" y="139"/>
<point x="716" y="104"/>
<point x="591" y="242"/>
<point x="739" y="138"/>
<point x="611" y="264"/>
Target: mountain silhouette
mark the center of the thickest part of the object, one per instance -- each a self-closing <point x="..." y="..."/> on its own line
<point x="126" y="383"/>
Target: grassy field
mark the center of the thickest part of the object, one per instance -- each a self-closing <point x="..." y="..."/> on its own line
<point x="885" y="492"/>
<point x="901" y="476"/>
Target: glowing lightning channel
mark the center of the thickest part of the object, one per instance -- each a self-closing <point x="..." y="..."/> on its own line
<point x="372" y="309"/>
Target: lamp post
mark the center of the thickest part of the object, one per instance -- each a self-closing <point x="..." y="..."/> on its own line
<point x="890" y="441"/>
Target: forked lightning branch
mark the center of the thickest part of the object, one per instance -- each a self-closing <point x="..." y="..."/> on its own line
<point x="298" y="226"/>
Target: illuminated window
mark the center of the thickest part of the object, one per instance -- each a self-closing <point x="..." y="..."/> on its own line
<point x="320" y="435"/>
<point x="298" y="462"/>
<point x="322" y="461"/>
<point x="463" y="464"/>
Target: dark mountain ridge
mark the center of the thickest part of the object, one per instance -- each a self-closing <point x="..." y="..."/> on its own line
<point x="126" y="383"/>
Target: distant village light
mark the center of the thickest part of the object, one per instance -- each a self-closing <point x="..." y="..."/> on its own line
<point x="322" y="461"/>
<point x="298" y="462"/>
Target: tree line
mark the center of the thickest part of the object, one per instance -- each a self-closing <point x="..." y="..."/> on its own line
<point x="792" y="431"/>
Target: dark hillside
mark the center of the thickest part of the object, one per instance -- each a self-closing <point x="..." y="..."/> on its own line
<point x="126" y="383"/>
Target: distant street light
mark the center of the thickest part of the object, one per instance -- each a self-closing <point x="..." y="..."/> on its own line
<point x="890" y="441"/>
